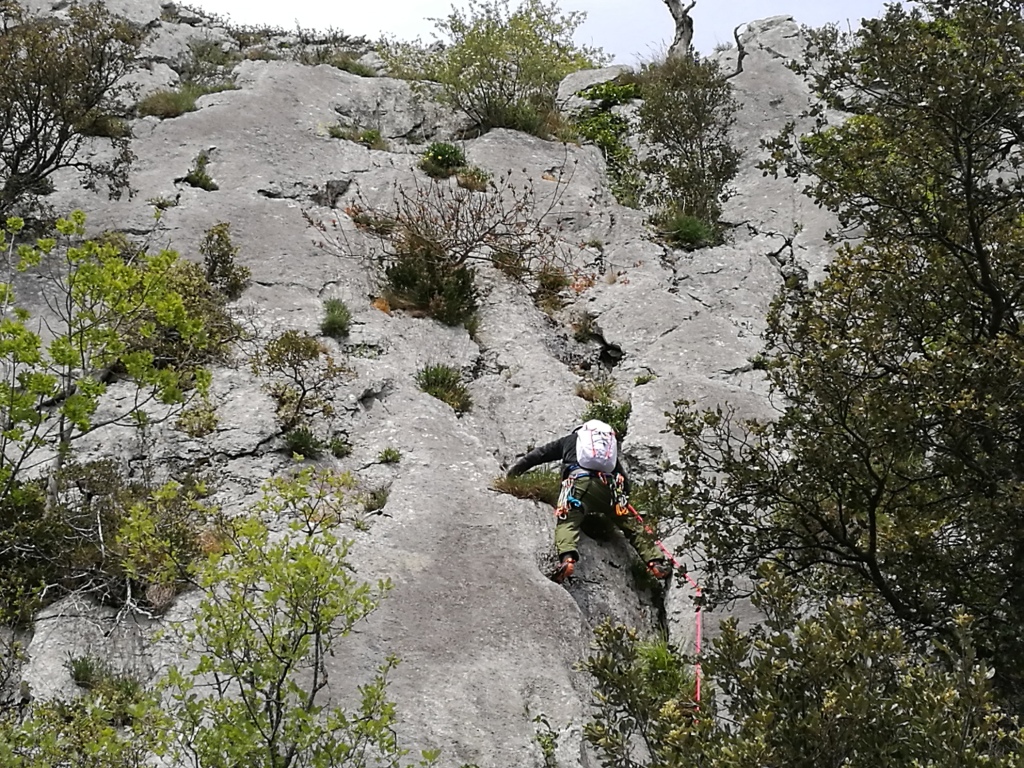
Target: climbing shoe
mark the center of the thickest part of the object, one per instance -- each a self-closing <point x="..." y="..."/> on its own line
<point x="565" y="569"/>
<point x="659" y="569"/>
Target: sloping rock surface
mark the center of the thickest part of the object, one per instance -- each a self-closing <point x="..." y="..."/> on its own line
<point x="487" y="641"/>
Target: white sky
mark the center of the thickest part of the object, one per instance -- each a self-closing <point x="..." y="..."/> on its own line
<point x="627" y="29"/>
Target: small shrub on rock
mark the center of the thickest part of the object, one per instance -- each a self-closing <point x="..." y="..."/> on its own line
<point x="614" y="414"/>
<point x="551" y="281"/>
<point x="537" y="485"/>
<point x="442" y="160"/>
<point x="198" y="176"/>
<point x="473" y="178"/>
<point x="219" y="254"/>
<point x="301" y="376"/>
<point x="301" y="441"/>
<point x="683" y="230"/>
<point x="340" y="447"/>
<point x="169" y="103"/>
<point x="500" y="66"/>
<point x="337" y="319"/>
<point x="421" y="279"/>
<point x="368" y="137"/>
<point x="445" y="383"/>
<point x="389" y="456"/>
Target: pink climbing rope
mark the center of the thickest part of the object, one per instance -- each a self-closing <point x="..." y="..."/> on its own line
<point x="696" y="589"/>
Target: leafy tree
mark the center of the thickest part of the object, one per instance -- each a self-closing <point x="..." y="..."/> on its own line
<point x="685" y="121"/>
<point x="894" y="470"/>
<point x="96" y="301"/>
<point x="273" y="610"/>
<point x="829" y="688"/>
<point x="501" y="67"/>
<point x="61" y="80"/>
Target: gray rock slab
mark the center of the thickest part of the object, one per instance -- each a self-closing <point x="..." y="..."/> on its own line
<point x="572" y="84"/>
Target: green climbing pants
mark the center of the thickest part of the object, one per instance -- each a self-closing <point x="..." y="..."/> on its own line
<point x="596" y="499"/>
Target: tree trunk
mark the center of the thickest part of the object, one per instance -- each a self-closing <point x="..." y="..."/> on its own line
<point x="684" y="27"/>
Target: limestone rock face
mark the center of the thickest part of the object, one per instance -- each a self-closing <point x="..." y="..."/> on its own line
<point x="487" y="642"/>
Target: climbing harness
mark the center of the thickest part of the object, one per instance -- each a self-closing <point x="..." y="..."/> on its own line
<point x="697" y="591"/>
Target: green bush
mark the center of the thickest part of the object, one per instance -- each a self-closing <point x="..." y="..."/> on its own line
<point x="340" y="447"/>
<point x="473" y="178"/>
<point x="303" y="442"/>
<point x="62" y="79"/>
<point x="686" y="120"/>
<point x="502" y="67"/>
<point x="337" y="319"/>
<point x="445" y="383"/>
<point x="442" y="160"/>
<point x="368" y="137"/>
<point x="551" y="281"/>
<point x="219" y="255"/>
<point x="389" y="456"/>
<point x="614" y="414"/>
<point x="173" y="103"/>
<point x="538" y="485"/>
<point x="685" y="231"/>
<point x="421" y="279"/>
<point x="301" y="376"/>
<point x="198" y="176"/>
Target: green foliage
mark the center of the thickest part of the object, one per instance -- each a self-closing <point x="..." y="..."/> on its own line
<point x="199" y="420"/>
<point x="685" y="121"/>
<point x="337" y="319"/>
<point x="644" y="378"/>
<point x="596" y="390"/>
<point x="198" y="176"/>
<point x="301" y="376"/>
<point x="340" y="448"/>
<point x="62" y="80"/>
<point x="219" y="254"/>
<point x="892" y="473"/>
<point x="551" y="279"/>
<point x="376" y="499"/>
<point x="274" y="609"/>
<point x="301" y="441"/>
<point x="537" y="485"/>
<point x="814" y="691"/>
<point x="683" y="230"/>
<point x="119" y="692"/>
<point x="422" y="279"/>
<point x="614" y="414"/>
<point x="473" y="178"/>
<point x="546" y="738"/>
<point x="500" y="66"/>
<point x="175" y="102"/>
<point x="368" y="137"/>
<point x="441" y="160"/>
<point x="609" y="132"/>
<point x="100" y="306"/>
<point x="445" y="383"/>
<point x="389" y="456"/>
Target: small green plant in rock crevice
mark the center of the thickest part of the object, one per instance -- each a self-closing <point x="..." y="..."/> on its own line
<point x="219" y="254"/>
<point x="337" y="319"/>
<point x="302" y="441"/>
<point x="546" y="738"/>
<point x="608" y="131"/>
<point x="537" y="485"/>
<point x="614" y="414"/>
<point x="441" y="160"/>
<point x="368" y="137"/>
<point x="198" y="176"/>
<point x="683" y="230"/>
<point x="551" y="281"/>
<point x="445" y="383"/>
<point x="389" y="456"/>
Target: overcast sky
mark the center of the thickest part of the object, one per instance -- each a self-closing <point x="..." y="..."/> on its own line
<point x="627" y="29"/>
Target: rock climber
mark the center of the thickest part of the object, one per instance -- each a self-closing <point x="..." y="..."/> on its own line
<point x="593" y="483"/>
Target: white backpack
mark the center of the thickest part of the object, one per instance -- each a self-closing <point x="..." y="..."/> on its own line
<point x="596" y="447"/>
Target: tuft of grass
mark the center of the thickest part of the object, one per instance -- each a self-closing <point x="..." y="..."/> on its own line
<point x="301" y="442"/>
<point x="445" y="383"/>
<point x="473" y="178"/>
<point x="596" y="390"/>
<point x="376" y="499"/>
<point x="198" y="176"/>
<point x="337" y="319"/>
<point x="340" y="447"/>
<point x="538" y="485"/>
<point x="614" y="414"/>
<point x="682" y="230"/>
<point x="368" y="137"/>
<point x="551" y="281"/>
<point x="644" y="378"/>
<point x="441" y="160"/>
<point x="166" y="104"/>
<point x="389" y="456"/>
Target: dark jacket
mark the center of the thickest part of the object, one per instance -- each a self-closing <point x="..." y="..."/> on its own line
<point x="563" y="449"/>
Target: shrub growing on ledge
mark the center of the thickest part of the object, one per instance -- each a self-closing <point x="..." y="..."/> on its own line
<point x="445" y="383"/>
<point x="442" y="160"/>
<point x="501" y="67"/>
<point x="337" y="319"/>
